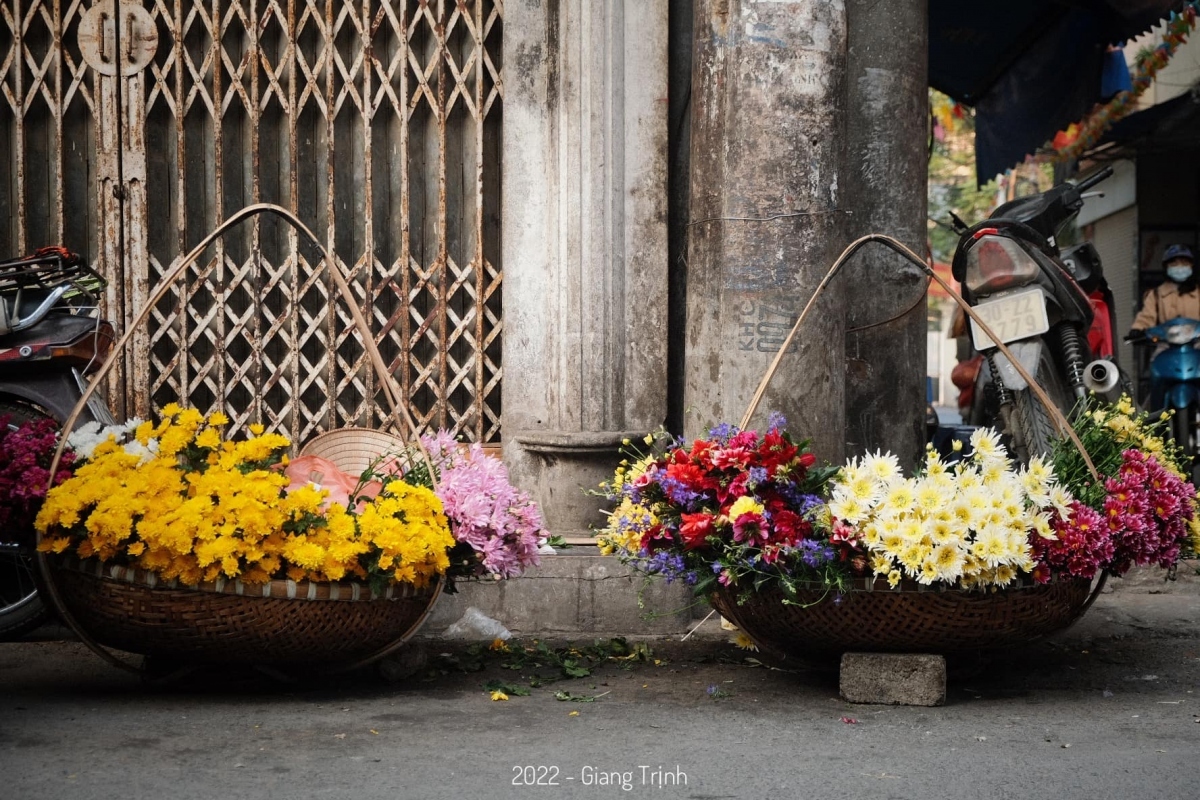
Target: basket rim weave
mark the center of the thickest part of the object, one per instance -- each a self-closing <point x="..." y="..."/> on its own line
<point x="879" y="583"/>
<point x="282" y="589"/>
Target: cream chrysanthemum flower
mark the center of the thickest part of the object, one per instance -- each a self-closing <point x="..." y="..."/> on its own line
<point x="884" y="467"/>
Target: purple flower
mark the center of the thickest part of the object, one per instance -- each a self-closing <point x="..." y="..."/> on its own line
<point x="724" y="432"/>
<point x="776" y="421"/>
<point x="679" y="493"/>
<point x="814" y="554"/>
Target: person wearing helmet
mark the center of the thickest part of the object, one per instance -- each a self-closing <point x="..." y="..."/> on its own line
<point x="1177" y="296"/>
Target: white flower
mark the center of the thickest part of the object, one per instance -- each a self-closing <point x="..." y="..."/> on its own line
<point x="883" y="467"/>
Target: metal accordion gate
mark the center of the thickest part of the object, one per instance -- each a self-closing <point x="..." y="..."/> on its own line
<point x="130" y="128"/>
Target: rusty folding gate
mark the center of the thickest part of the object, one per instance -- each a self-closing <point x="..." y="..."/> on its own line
<point x="130" y="128"/>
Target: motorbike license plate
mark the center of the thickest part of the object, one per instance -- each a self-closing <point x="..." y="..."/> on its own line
<point x="1016" y="316"/>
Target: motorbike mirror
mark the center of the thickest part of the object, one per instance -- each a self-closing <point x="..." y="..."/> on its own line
<point x="959" y="226"/>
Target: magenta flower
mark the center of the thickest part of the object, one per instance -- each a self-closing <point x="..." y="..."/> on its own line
<point x="1083" y="547"/>
<point x="1146" y="511"/>
<point x="25" y="455"/>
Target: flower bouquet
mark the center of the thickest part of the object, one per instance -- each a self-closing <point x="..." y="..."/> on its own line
<point x="183" y="513"/>
<point x="26" y="451"/>
<point x="736" y="509"/>
<point x="978" y="553"/>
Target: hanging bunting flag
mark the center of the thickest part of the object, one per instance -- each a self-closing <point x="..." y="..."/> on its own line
<point x="1084" y="135"/>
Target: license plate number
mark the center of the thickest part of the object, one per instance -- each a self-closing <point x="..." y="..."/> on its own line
<point x="1017" y="316"/>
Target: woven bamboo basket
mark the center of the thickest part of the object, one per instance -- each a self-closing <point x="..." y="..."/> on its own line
<point x="874" y="618"/>
<point x="325" y="627"/>
<point x="280" y="624"/>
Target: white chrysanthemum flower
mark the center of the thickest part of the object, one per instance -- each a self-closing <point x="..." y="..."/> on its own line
<point x="944" y="532"/>
<point x="891" y="543"/>
<point x="986" y="444"/>
<point x="899" y="498"/>
<point x="949" y="561"/>
<point x="1041" y="526"/>
<point x="930" y="496"/>
<point x="1003" y="575"/>
<point x="968" y="478"/>
<point x="849" y="509"/>
<point x="1061" y="500"/>
<point x="910" y="530"/>
<point x="143" y="452"/>
<point x="884" y="467"/>
<point x="928" y="572"/>
<point x="990" y="545"/>
<point x="965" y="513"/>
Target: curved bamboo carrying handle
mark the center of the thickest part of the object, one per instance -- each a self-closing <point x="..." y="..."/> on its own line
<point x="1059" y="420"/>
<point x="391" y="390"/>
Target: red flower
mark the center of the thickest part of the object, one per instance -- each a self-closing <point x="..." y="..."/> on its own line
<point x="654" y="539"/>
<point x="690" y="475"/>
<point x="731" y="458"/>
<point x="776" y="451"/>
<point x="696" y="529"/>
<point x="701" y="452"/>
<point x="733" y="490"/>
<point x="790" y="527"/>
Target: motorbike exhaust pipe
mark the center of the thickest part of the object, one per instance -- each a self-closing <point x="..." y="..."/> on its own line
<point x="1101" y="376"/>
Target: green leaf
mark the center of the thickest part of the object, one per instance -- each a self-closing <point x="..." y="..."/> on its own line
<point x="573" y="669"/>
<point x="574" y="698"/>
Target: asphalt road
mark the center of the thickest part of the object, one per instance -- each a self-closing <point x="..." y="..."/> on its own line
<point x="1108" y="709"/>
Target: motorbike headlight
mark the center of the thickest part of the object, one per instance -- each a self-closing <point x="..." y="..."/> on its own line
<point x="997" y="262"/>
<point x="1181" y="334"/>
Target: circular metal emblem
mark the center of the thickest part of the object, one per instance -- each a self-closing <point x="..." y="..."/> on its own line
<point x="26" y="351"/>
<point x="103" y="32"/>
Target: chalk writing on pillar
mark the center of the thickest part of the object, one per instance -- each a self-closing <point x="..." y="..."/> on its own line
<point x="763" y="327"/>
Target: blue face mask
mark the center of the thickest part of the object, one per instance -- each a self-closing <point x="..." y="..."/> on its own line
<point x="1179" y="274"/>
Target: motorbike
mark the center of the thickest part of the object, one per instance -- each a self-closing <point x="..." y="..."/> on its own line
<point x="51" y="338"/>
<point x="1175" y="375"/>
<point x="1051" y="307"/>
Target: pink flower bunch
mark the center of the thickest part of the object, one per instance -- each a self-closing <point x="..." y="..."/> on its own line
<point x="1084" y="545"/>
<point x="499" y="522"/>
<point x="1147" y="510"/>
<point x="25" y="455"/>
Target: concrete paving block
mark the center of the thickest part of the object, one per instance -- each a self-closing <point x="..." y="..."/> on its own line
<point x="905" y="679"/>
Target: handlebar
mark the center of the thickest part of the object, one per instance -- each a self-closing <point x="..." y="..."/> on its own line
<point x="39" y="313"/>
<point x="1092" y="180"/>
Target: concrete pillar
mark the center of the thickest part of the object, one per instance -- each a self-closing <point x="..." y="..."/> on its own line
<point x="765" y="222"/>
<point x="885" y="187"/>
<point x="585" y="265"/>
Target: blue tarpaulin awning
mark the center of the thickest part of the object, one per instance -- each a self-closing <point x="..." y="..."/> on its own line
<point x="1029" y="67"/>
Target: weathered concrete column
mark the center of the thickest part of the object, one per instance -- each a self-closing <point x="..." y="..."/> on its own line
<point x="585" y="265"/>
<point x="767" y="99"/>
<point x="888" y="113"/>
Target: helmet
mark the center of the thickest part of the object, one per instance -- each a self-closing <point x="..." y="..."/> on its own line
<point x="1178" y="251"/>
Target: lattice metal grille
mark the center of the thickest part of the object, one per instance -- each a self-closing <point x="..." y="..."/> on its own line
<point x="375" y="121"/>
<point x="378" y="123"/>
<point x="46" y="130"/>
